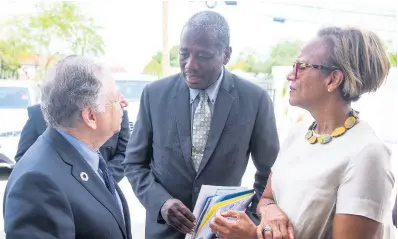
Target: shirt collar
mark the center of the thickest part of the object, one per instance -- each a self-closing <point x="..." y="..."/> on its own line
<point x="89" y="154"/>
<point x="211" y="91"/>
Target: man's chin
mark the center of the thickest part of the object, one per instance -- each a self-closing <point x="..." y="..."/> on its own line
<point x="196" y="86"/>
<point x="117" y="130"/>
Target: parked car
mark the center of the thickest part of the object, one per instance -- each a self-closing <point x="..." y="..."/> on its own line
<point x="15" y="97"/>
<point x="131" y="86"/>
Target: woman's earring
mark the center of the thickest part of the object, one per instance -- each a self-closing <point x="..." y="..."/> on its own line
<point x="328" y="89"/>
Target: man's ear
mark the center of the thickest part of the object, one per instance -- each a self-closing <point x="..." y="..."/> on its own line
<point x="227" y="55"/>
<point x="89" y="118"/>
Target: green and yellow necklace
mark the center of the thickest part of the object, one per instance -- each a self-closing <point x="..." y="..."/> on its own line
<point x="312" y="138"/>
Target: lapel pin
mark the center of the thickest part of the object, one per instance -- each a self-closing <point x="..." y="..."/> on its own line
<point x="84" y="176"/>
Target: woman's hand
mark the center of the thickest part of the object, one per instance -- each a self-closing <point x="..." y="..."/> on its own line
<point x="240" y="227"/>
<point x="272" y="216"/>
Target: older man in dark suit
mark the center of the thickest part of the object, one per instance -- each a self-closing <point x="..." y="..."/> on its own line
<point x="198" y="127"/>
<point x="62" y="187"/>
<point x="113" y="150"/>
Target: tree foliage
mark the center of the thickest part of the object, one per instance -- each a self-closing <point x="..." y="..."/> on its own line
<point x="154" y="66"/>
<point x="282" y="54"/>
<point x="56" y="29"/>
<point x="10" y="52"/>
<point x="392" y="56"/>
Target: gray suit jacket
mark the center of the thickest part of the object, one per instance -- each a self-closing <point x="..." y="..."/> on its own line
<point x="158" y="156"/>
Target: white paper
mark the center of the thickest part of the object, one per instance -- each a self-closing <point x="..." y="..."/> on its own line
<point x="208" y="191"/>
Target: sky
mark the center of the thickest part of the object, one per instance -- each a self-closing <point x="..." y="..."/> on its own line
<point x="133" y="31"/>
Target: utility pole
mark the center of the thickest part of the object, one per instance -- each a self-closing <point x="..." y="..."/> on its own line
<point x="166" y="52"/>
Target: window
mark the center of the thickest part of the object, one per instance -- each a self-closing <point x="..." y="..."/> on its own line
<point x="14" y="97"/>
<point x="132" y="90"/>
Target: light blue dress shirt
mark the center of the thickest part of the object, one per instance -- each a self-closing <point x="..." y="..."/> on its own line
<point x="91" y="157"/>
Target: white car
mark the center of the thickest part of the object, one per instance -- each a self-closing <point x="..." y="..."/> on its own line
<point x="15" y="97"/>
<point x="131" y="86"/>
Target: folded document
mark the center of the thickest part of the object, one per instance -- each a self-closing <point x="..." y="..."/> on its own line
<point x="213" y="199"/>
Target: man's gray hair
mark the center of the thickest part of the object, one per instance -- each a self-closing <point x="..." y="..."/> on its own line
<point x="213" y="23"/>
<point x="72" y="85"/>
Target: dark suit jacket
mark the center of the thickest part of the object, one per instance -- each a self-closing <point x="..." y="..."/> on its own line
<point x="394" y="213"/>
<point x="113" y="150"/>
<point x="46" y="197"/>
<point x="158" y="157"/>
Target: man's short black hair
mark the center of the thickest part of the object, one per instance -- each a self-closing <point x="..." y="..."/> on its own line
<point x="213" y="23"/>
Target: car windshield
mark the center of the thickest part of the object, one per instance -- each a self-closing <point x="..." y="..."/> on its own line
<point x="14" y="97"/>
<point x="132" y="90"/>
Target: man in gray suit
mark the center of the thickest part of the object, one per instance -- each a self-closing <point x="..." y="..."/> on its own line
<point x="198" y="127"/>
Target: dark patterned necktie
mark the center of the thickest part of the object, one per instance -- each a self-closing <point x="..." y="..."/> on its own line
<point x="106" y="175"/>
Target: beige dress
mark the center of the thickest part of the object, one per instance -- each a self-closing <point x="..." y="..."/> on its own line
<point x="350" y="175"/>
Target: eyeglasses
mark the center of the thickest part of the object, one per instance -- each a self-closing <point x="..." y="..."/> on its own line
<point x="302" y="66"/>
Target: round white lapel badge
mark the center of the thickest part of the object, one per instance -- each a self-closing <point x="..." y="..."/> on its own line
<point x="84" y="176"/>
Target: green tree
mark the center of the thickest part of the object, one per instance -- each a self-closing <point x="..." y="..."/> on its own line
<point x="78" y="30"/>
<point x="12" y="47"/>
<point x="11" y="51"/>
<point x="154" y="66"/>
<point x="282" y="54"/>
<point x="392" y="56"/>
<point x="389" y="46"/>
<point x="64" y="22"/>
<point x="249" y="60"/>
<point x="57" y="29"/>
<point x="174" y="56"/>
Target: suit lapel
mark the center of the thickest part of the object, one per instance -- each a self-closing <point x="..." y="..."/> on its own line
<point x="126" y="210"/>
<point x="182" y="112"/>
<point x="222" y="107"/>
<point x="79" y="166"/>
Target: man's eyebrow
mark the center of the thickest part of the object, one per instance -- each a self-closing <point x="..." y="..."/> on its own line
<point x="205" y="51"/>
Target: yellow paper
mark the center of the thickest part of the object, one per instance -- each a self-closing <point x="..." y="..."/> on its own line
<point x="218" y="205"/>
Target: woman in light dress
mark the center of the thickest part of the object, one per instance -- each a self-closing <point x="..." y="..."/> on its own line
<point x="333" y="176"/>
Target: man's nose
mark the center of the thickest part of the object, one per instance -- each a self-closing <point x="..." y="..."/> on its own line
<point x="123" y="101"/>
<point x="191" y="64"/>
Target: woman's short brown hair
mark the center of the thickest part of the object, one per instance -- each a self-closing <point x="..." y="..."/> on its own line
<point x="360" y="55"/>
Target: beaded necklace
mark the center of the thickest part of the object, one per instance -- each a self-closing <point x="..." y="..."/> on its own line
<point x="313" y="138"/>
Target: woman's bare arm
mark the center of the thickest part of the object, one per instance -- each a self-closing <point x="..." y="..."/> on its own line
<point x="347" y="226"/>
<point x="362" y="198"/>
<point x="267" y="196"/>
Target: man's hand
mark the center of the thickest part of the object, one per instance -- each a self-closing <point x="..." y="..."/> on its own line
<point x="176" y="214"/>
